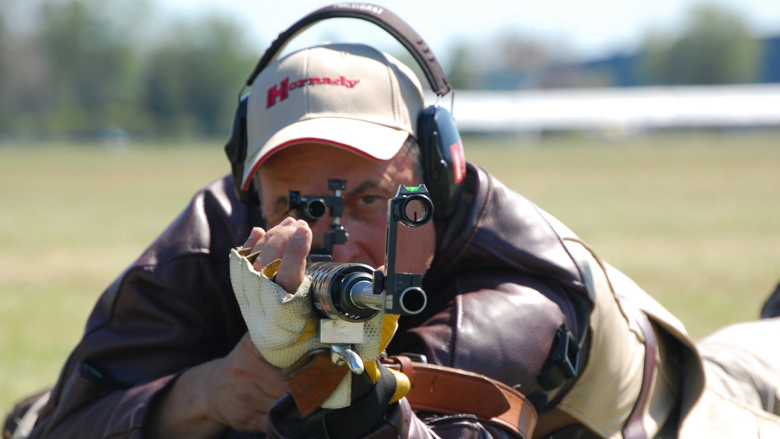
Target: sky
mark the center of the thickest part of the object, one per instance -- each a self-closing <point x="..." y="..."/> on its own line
<point x="589" y="28"/>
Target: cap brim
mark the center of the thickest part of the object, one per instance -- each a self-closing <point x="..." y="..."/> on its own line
<point x="371" y="140"/>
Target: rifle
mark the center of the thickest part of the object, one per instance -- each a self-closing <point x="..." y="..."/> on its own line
<point x="348" y="294"/>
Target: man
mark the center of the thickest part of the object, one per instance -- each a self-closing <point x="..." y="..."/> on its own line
<point x="166" y="352"/>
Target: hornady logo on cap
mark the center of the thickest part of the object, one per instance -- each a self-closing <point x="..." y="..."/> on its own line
<point x="282" y="90"/>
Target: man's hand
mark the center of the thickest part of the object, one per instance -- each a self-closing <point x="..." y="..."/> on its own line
<point x="243" y="387"/>
<point x="236" y="391"/>
<point x="289" y="241"/>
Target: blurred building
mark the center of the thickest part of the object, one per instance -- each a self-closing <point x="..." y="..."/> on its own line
<point x="626" y="70"/>
<point x="612" y="96"/>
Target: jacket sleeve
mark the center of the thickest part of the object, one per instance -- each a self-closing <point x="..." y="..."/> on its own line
<point x="171" y="310"/>
<point x="141" y="335"/>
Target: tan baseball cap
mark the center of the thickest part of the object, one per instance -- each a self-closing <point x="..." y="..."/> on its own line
<point x="346" y="95"/>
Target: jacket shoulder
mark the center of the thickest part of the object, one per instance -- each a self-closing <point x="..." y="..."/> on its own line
<point x="213" y="222"/>
<point x="186" y="263"/>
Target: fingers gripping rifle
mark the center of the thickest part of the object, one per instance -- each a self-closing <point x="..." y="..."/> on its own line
<point x="348" y="294"/>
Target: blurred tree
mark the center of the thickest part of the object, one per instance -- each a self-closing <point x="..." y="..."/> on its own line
<point x="88" y="47"/>
<point x="518" y="61"/>
<point x="463" y="72"/>
<point x="715" y="47"/>
<point x="192" y="83"/>
<point x="3" y="69"/>
<point x="85" y="67"/>
<point x="24" y="88"/>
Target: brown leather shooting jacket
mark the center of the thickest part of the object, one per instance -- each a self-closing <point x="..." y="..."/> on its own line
<point x="501" y="286"/>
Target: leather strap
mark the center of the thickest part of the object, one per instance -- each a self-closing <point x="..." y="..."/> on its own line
<point x="634" y="428"/>
<point x="312" y="379"/>
<point x="452" y="391"/>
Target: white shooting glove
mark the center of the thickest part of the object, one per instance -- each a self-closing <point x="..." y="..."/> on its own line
<point x="284" y="327"/>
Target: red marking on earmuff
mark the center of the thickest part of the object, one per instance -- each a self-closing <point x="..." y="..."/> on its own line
<point x="458" y="160"/>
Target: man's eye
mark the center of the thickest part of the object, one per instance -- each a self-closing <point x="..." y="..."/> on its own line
<point x="369" y="199"/>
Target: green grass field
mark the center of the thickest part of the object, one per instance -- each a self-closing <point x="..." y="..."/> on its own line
<point x="694" y="219"/>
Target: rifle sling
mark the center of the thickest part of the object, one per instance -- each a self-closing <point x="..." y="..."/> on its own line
<point x="450" y="391"/>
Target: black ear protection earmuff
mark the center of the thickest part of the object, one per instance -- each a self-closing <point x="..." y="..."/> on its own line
<point x="437" y="135"/>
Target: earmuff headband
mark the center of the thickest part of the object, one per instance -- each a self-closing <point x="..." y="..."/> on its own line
<point x="378" y="15"/>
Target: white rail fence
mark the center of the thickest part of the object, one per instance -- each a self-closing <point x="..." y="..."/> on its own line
<point x="619" y="109"/>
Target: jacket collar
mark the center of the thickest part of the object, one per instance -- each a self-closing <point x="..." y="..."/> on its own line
<point x="498" y="229"/>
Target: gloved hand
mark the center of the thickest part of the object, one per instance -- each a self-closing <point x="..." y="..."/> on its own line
<point x="284" y="328"/>
<point x="367" y="412"/>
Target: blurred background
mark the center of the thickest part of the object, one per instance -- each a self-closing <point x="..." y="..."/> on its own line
<point x="112" y="70"/>
<point x="652" y="130"/>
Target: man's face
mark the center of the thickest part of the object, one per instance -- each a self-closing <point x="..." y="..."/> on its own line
<point x="370" y="183"/>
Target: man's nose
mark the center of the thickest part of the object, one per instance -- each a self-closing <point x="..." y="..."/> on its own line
<point x="349" y="251"/>
<point x="318" y="230"/>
